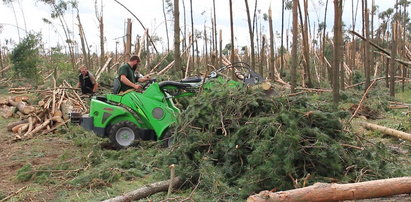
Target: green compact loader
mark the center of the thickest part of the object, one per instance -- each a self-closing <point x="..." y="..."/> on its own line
<point x="134" y="116"/>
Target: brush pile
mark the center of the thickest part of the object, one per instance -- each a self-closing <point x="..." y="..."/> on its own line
<point x="233" y="142"/>
<point x="50" y="113"/>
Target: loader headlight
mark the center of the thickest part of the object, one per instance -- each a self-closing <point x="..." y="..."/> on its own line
<point x="158" y="113"/>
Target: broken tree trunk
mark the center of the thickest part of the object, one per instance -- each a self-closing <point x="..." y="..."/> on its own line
<point x="146" y="190"/>
<point x="339" y="192"/>
<point x="388" y="131"/>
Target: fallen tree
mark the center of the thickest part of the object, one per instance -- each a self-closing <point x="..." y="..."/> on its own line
<point x="147" y="190"/>
<point x="339" y="192"/>
<point x="388" y="131"/>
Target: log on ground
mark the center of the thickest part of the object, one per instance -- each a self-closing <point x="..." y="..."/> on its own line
<point x="388" y="131"/>
<point x="339" y="192"/>
<point x="147" y="190"/>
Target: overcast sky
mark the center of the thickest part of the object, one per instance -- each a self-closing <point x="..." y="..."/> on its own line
<point x="150" y="12"/>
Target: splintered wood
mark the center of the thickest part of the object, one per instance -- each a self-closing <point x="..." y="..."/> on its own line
<point x="50" y="112"/>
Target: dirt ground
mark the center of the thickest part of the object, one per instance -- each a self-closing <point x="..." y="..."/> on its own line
<point x="39" y="152"/>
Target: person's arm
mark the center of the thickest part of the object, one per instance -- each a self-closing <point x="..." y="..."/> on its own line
<point x="78" y="85"/>
<point x="127" y="82"/>
<point x="94" y="82"/>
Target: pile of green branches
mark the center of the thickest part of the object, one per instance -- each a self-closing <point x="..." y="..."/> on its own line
<point x="233" y="142"/>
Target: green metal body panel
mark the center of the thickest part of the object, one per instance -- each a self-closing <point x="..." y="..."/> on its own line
<point x="148" y="110"/>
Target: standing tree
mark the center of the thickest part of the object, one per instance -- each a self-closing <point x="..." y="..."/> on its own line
<point x="393" y="64"/>
<point x="177" y="58"/>
<point x="338" y="46"/>
<point x="366" y="29"/>
<point x="99" y="16"/>
<point x="282" y="36"/>
<point x="232" y="33"/>
<point x="251" y="32"/>
<point x="294" y="47"/>
<point x="306" y="46"/>
<point x="271" y="65"/>
<point x="25" y="58"/>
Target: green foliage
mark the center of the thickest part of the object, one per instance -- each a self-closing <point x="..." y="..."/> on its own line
<point x="25" y="173"/>
<point x="25" y="58"/>
<point x="237" y="141"/>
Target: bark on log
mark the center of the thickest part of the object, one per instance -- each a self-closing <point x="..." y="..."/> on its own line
<point x="22" y="107"/>
<point x="15" y="129"/>
<point x="38" y="128"/>
<point x="146" y="190"/>
<point x="388" y="131"/>
<point x="11" y="125"/>
<point x="339" y="192"/>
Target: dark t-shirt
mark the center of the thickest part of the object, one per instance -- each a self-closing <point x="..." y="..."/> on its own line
<point x="87" y="82"/>
<point x="129" y="73"/>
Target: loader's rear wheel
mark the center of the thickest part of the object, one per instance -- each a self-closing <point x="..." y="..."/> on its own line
<point x="123" y="134"/>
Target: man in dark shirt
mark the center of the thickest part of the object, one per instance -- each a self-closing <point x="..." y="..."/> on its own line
<point x="86" y="81"/>
<point x="127" y="75"/>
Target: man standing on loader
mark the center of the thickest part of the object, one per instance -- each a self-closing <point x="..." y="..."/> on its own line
<point x="127" y="77"/>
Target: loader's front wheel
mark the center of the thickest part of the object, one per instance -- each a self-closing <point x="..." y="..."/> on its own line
<point x="123" y="134"/>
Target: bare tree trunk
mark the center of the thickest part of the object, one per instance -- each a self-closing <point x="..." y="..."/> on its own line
<point x="99" y="16"/>
<point x="393" y="64"/>
<point x="353" y="42"/>
<point x="127" y="49"/>
<point x="192" y="33"/>
<point x="83" y="42"/>
<point x="215" y="27"/>
<point x="184" y="45"/>
<point x="282" y="51"/>
<point x="220" y="61"/>
<point x="251" y="32"/>
<point x="367" y="67"/>
<point x="177" y="57"/>
<point x="337" y="49"/>
<point x="102" y="52"/>
<point x="294" y="56"/>
<point x="262" y="65"/>
<point x="270" y="23"/>
<point x="232" y="34"/>
<point x="323" y="44"/>
<point x="166" y="23"/>
<point x="306" y="46"/>
<point x="205" y="45"/>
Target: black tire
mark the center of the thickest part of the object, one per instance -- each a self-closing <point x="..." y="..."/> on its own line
<point x="168" y="139"/>
<point x="123" y="134"/>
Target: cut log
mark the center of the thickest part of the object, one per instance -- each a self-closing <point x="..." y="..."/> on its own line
<point x="38" y="128"/>
<point x="339" y="192"/>
<point x="31" y="123"/>
<point x="8" y="112"/>
<point x="11" y="125"/>
<point x="147" y="190"/>
<point x="388" y="131"/>
<point x="22" y="106"/>
<point x="21" y="98"/>
<point x="15" y="129"/>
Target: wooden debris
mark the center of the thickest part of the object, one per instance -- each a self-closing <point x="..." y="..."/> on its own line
<point x="147" y="190"/>
<point x="50" y="113"/>
<point x="388" y="131"/>
<point x="339" y="192"/>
